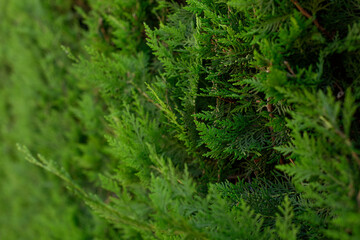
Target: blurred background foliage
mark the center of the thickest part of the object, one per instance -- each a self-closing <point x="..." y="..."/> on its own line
<point x="39" y="104"/>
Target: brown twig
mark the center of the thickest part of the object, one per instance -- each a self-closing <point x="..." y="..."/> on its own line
<point x="292" y="161"/>
<point x="308" y="15"/>
<point x="227" y="100"/>
<point x="290" y="69"/>
<point x="103" y="30"/>
<point x="341" y="92"/>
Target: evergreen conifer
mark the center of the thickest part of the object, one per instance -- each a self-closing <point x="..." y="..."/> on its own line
<point x="195" y="120"/>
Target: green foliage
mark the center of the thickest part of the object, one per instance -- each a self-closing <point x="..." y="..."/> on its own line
<point x="176" y="118"/>
<point x="170" y="208"/>
<point x="263" y="196"/>
<point x="285" y="229"/>
<point x="38" y="98"/>
<point x="327" y="174"/>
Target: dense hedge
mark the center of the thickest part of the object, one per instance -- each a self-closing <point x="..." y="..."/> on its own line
<point x="180" y="120"/>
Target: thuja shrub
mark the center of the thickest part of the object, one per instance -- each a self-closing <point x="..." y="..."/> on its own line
<point x="224" y="119"/>
<point x="280" y="83"/>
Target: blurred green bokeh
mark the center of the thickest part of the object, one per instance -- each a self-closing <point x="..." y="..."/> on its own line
<point x="35" y="95"/>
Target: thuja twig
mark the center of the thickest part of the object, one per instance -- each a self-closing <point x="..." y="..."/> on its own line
<point x="308" y="15"/>
<point x="145" y="95"/>
<point x="269" y="108"/>
<point x="290" y="69"/>
<point x="292" y="161"/>
<point x="349" y="144"/>
<point x="148" y="98"/>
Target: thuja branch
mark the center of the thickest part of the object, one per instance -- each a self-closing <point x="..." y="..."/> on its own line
<point x="349" y="144"/>
<point x="308" y="15"/>
<point x="147" y="97"/>
<point x="269" y="108"/>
